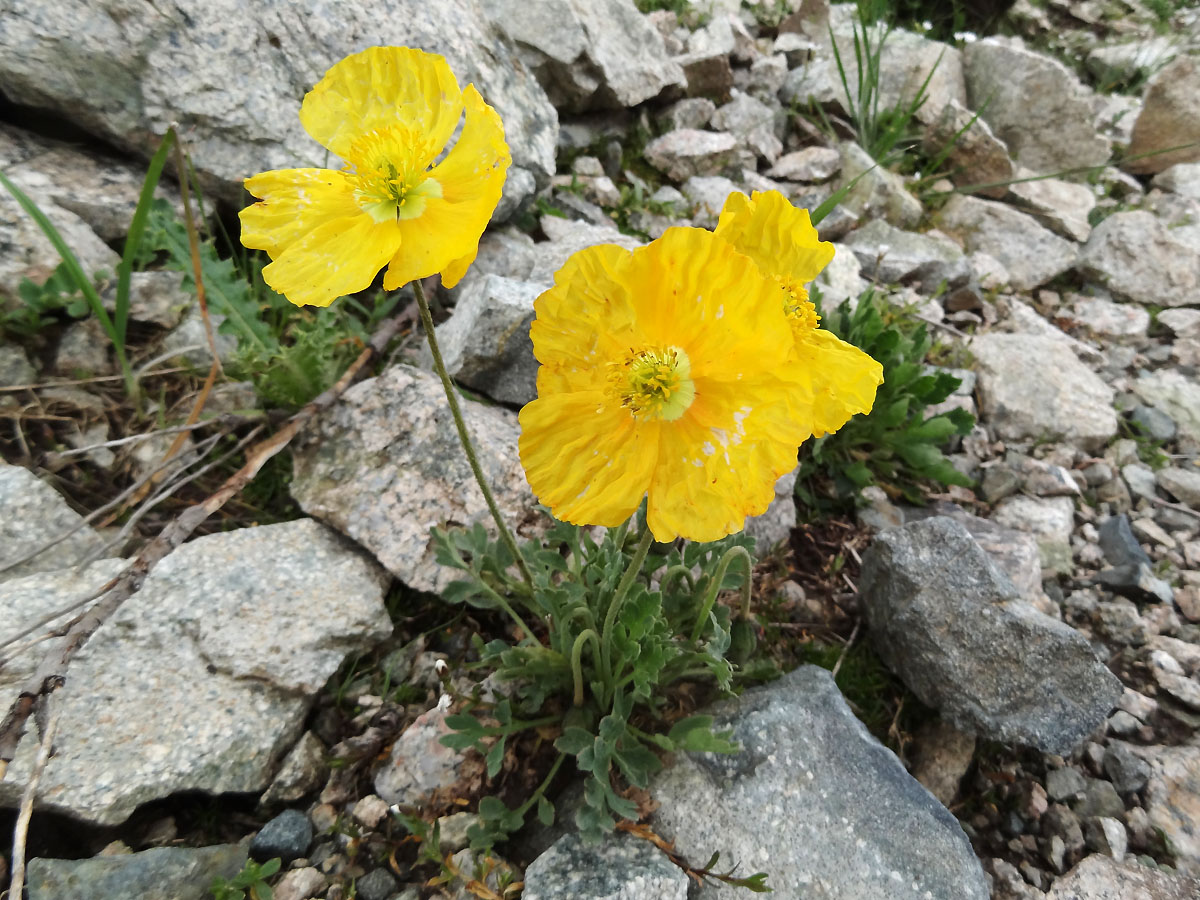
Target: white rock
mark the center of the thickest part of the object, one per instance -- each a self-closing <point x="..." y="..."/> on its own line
<point x="1137" y="257"/>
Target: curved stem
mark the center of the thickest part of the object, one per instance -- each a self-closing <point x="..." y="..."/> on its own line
<point x="498" y="599"/>
<point x="674" y="572"/>
<point x="577" y="661"/>
<point x="718" y="577"/>
<point x="464" y="438"/>
<point x="541" y="789"/>
<point x="618" y="600"/>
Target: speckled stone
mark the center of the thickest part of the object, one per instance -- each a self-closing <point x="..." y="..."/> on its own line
<point x="164" y="873"/>
<point x="385" y="465"/>
<point x="816" y="801"/>
<point x="202" y="679"/>
<point x="33" y="513"/>
<point x="619" y="868"/>
<point x="956" y="631"/>
<point x="1100" y="878"/>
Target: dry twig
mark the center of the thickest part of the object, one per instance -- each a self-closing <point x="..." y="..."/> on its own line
<point x="21" y="830"/>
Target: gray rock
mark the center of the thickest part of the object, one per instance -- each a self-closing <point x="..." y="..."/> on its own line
<point x="1099" y="798"/>
<point x="976" y="155"/>
<point x="188" y="342"/>
<point x="565" y="239"/>
<point x="302" y="771"/>
<point x="1051" y="520"/>
<point x="691" y="112"/>
<point x="378" y="884"/>
<point x="1035" y="104"/>
<point x="1103" y="878"/>
<point x="286" y="836"/>
<point x="234" y="77"/>
<point x="154" y="297"/>
<point x="687" y="152"/>
<point x="842" y="279"/>
<point x="35" y="514"/>
<point x="1114" y="63"/>
<point x="1140" y="479"/>
<point x="301" y="884"/>
<point x="1062" y="206"/>
<point x="941" y="757"/>
<point x="753" y="123"/>
<point x="1109" y="319"/>
<point x="588" y="54"/>
<point x="1138" y="258"/>
<point x="15" y="368"/>
<point x="1137" y="582"/>
<point x="1181" y="322"/>
<point x="890" y="255"/>
<point x="956" y="631"/>
<point x="163" y="873"/>
<point x="385" y="465"/>
<point x="420" y="764"/>
<point x="485" y="342"/>
<point x="706" y="195"/>
<point x="1181" y="178"/>
<point x="1120" y="547"/>
<point x="879" y="193"/>
<point x="619" y="868"/>
<point x="1106" y="835"/>
<point x="1031" y="254"/>
<point x="1170" y="117"/>
<point x="1183" y="484"/>
<point x="1033" y="387"/>
<point x="83" y="351"/>
<point x="205" y="675"/>
<point x="1064" y="783"/>
<point x="838" y="816"/>
<point x="1125" y="769"/>
<point x="1175" y="394"/>
<point x="810" y="165"/>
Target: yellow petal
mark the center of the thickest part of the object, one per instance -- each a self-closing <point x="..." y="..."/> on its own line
<point x="842" y="378"/>
<point x="584" y="322"/>
<point x="719" y="463"/>
<point x="378" y="88"/>
<point x="293" y="202"/>
<point x="691" y="290"/>
<point x="338" y="257"/>
<point x="445" y="237"/>
<point x="776" y="235"/>
<point x="586" y="458"/>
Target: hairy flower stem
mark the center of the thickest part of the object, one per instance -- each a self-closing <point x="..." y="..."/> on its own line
<point x="618" y="600"/>
<point x="577" y="661"/>
<point x="464" y="437"/>
<point x="719" y="576"/>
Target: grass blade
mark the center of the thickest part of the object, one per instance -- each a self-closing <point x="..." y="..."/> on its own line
<point x="137" y="228"/>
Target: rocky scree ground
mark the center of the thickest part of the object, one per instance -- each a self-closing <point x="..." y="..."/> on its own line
<point x="241" y="703"/>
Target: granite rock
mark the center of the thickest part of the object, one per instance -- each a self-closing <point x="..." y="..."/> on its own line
<point x="162" y="873"/>
<point x="954" y="628"/>
<point x="619" y="868"/>
<point x="201" y="680"/>
<point x="1137" y="257"/>
<point x="837" y="814"/>
<point x="1169" y="117"/>
<point x="34" y="514"/>
<point x="1101" y="878"/>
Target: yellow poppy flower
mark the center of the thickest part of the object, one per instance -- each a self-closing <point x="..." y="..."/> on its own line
<point x="668" y="372"/>
<point x="388" y="112"/>
<point x="840" y="379"/>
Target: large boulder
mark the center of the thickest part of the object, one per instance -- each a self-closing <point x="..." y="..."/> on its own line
<point x="1138" y="258"/>
<point x="233" y="75"/>
<point x="201" y="680"/>
<point x="1170" y="117"/>
<point x="956" y="630"/>
<point x="1032" y="387"/>
<point x="385" y="465"/>
<point x="1030" y="253"/>
<point x="588" y="53"/>
<point x="1035" y="104"/>
<point x="833" y="815"/>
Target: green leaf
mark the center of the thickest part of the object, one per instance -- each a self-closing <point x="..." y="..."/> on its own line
<point x="545" y="811"/>
<point x="495" y="758"/>
<point x="573" y="741"/>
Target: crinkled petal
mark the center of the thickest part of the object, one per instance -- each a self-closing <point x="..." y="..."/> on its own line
<point x="584" y="322"/>
<point x="445" y="237"/>
<point x="691" y="290"/>
<point x="778" y="236"/>
<point x="378" y="88"/>
<point x="719" y="463"/>
<point x="293" y="202"/>
<point x="842" y="380"/>
<point x="586" y="458"/>
<point x="338" y="257"/>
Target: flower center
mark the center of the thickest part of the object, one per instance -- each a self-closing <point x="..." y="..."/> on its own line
<point x="389" y="168"/>
<point x="801" y="313"/>
<point x="655" y="384"/>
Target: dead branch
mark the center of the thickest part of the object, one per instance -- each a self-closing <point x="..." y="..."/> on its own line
<point x="21" y="830"/>
<point x="51" y="672"/>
